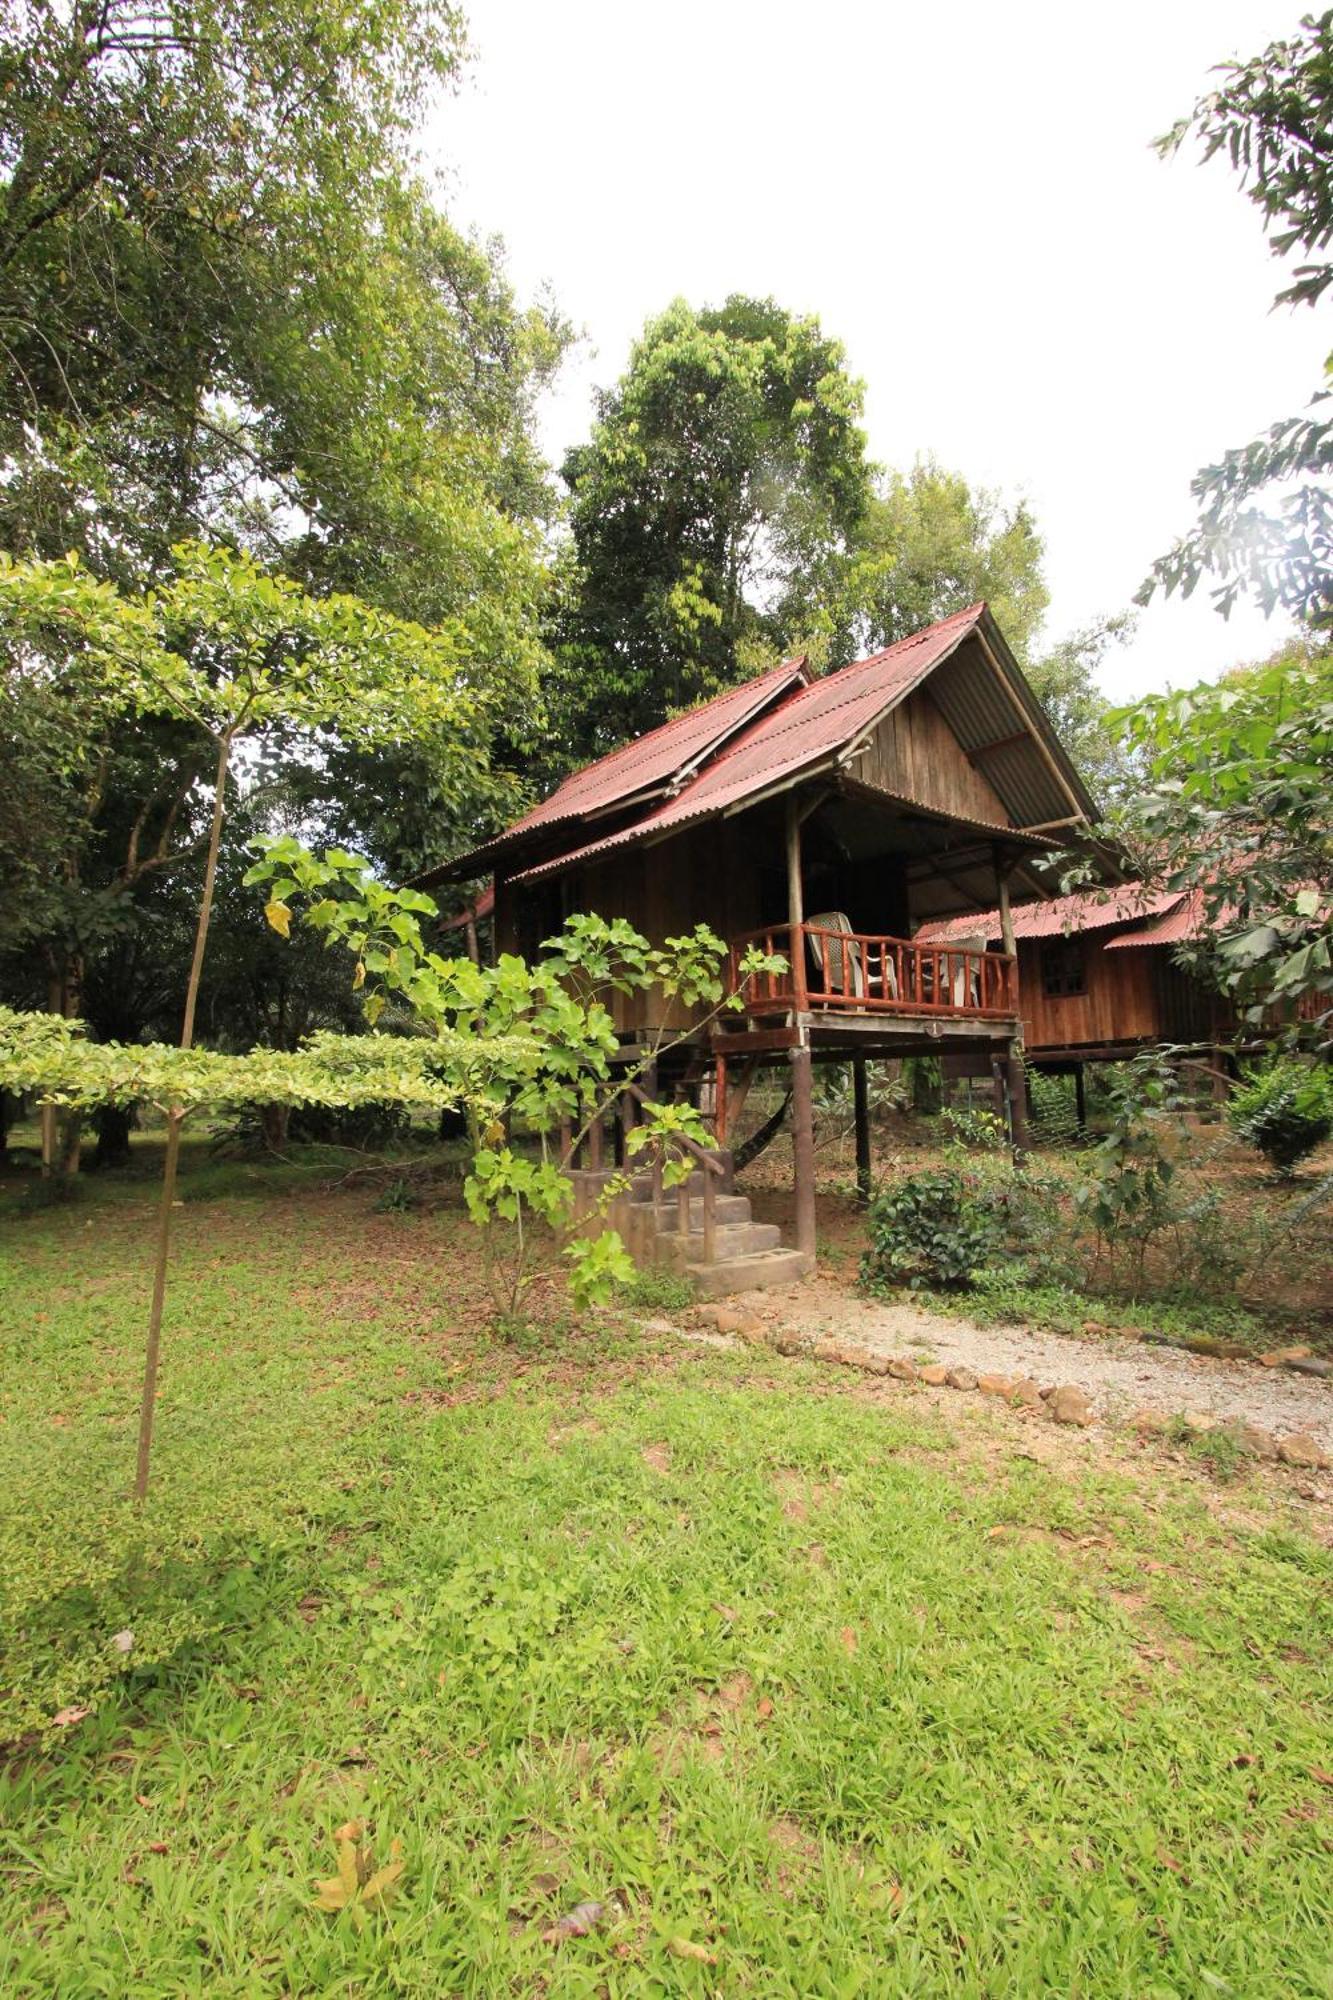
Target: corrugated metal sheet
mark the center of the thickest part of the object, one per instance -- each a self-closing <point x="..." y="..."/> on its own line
<point x="1090" y="910"/>
<point x="649" y="764"/>
<point x="981" y="712"/>
<point x="475" y="912"/>
<point x="1178" y="926"/>
<point x="807" y="729"/>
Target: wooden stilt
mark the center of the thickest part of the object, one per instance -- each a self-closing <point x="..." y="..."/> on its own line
<point x="1081" y="1097"/>
<point x="1017" y="1091"/>
<point x="861" y="1102"/>
<point x="803" y="1148"/>
<point x="720" y="1101"/>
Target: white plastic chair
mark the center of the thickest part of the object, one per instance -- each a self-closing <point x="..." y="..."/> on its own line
<point x="840" y="966"/>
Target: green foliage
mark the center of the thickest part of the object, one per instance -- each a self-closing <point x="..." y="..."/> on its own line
<point x="1284" y="1108"/>
<point x="725" y="473"/>
<point x="544" y="1039"/>
<point x="973" y="1128"/>
<point x="1052" y="1109"/>
<point x="658" y="1291"/>
<point x="930" y="544"/>
<point x="1271" y="119"/>
<point x="1236" y="811"/>
<point x="931" y="1229"/>
<point x="1126" y="1198"/>
<point x="48" y="1055"/>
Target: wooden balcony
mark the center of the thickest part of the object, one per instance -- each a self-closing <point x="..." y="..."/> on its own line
<point x="838" y="973"/>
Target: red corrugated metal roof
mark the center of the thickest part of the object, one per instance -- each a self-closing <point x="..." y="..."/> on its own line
<point x="807" y="728"/>
<point x="651" y="763"/>
<point x="1178" y="926"/>
<point x="1089" y="910"/>
<point x="475" y="912"/>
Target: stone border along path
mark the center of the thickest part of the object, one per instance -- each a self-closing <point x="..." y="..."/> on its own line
<point x="1273" y="1411"/>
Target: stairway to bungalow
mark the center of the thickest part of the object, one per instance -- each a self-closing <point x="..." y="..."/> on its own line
<point x="672" y="1230"/>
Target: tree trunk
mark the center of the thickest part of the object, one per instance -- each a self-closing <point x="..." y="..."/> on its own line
<point x="273" y="1122"/>
<point x="113" y="1124"/>
<point x="174" y="1120"/>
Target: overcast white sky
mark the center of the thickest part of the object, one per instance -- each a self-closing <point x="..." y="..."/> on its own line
<point x="966" y="196"/>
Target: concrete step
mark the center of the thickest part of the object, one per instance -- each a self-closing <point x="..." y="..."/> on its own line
<point x="734" y="1239"/>
<point x="753" y="1273"/>
<point x="728" y="1208"/>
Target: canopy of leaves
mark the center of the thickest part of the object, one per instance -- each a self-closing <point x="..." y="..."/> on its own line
<point x="46" y="1054"/>
<point x="1236" y="810"/>
<point x="725" y="473"/>
<point x="930" y="544"/>
<point x="231" y="308"/>
<point x="219" y="650"/>
<point x="1272" y="119"/>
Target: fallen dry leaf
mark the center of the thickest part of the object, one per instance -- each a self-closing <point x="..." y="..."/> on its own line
<point x="577" y="1922"/>
<point x="683" y="1948"/>
<point x="763" y="1709"/>
<point x="1321" y="1777"/>
<point x="848" y="1639"/>
<point x="68" y="1716"/>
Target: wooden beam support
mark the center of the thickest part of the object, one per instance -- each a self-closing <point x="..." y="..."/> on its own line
<point x="803" y="1148"/>
<point x="795" y="901"/>
<point x="1016" y="1087"/>
<point x="1006" y="913"/>
<point x="861" y="1102"/>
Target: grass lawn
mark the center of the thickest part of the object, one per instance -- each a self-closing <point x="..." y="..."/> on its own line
<point x="817" y="1686"/>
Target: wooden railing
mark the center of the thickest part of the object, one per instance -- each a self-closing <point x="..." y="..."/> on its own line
<point x="865" y="973"/>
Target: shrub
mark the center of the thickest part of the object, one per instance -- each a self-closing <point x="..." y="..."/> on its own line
<point x="1284" y="1109"/>
<point x="932" y="1229"/>
<point x="973" y="1128"/>
<point x="658" y="1291"/>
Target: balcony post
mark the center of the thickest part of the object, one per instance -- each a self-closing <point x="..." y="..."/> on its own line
<point x="803" y="1148"/>
<point x="1015" y="1075"/>
<point x="795" y="903"/>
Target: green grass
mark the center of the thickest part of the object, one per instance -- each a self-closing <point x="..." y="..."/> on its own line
<point x="1006" y="1297"/>
<point x="729" y="1647"/>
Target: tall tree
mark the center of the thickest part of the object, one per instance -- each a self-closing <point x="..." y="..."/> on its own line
<point x="725" y="473"/>
<point x="230" y="307"/>
<point x="1235" y="809"/>
<point x="930" y="544"/>
<point x="239" y="656"/>
<point x="1265" y="526"/>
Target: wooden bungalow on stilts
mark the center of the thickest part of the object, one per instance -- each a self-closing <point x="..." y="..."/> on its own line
<point x="1100" y="982"/>
<point x="826" y="819"/>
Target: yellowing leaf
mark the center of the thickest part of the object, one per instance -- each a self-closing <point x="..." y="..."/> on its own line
<point x="684" y="1948"/>
<point x="358" y="976"/>
<point x="279" y="917"/>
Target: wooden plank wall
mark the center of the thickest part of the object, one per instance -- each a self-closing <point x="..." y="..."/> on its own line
<point x="916" y="754"/>
<point x="709" y="874"/>
<point x="1131" y="996"/>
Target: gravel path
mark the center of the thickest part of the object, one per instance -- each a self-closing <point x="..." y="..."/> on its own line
<point x="1118" y="1376"/>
